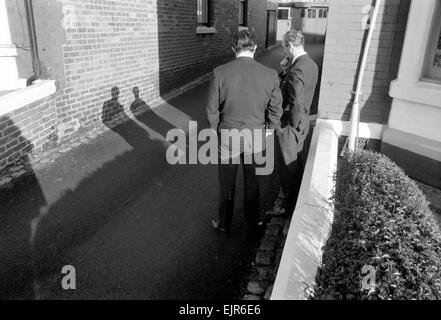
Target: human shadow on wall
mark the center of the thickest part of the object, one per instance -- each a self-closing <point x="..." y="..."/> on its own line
<point x="157" y="126"/>
<point x="21" y="205"/>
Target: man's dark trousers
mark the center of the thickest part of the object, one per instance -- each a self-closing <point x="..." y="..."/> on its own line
<point x="228" y="178"/>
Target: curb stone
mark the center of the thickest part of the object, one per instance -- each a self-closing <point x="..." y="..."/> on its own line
<point x="268" y="256"/>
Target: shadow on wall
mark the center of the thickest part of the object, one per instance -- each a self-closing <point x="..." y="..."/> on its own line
<point x="20" y="212"/>
<point x="386" y="62"/>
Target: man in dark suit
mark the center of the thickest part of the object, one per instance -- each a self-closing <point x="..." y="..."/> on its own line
<point x="299" y="82"/>
<point x="244" y="96"/>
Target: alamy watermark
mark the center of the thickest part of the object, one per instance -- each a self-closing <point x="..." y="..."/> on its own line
<point x="69" y="280"/>
<point x="223" y="147"/>
<point x="368" y="283"/>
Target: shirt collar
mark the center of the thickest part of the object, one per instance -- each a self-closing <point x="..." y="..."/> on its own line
<point x="300" y="55"/>
<point x="245" y="55"/>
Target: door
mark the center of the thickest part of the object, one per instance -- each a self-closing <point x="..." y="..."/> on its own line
<point x="271" y="32"/>
<point x="315" y="24"/>
<point x="283" y="22"/>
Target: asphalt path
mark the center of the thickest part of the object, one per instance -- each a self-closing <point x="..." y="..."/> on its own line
<point x="132" y="225"/>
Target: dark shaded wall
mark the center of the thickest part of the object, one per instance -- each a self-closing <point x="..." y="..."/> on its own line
<point x="185" y="55"/>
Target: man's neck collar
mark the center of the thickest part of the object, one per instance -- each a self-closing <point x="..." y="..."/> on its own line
<point x="245" y="55"/>
<point x="298" y="56"/>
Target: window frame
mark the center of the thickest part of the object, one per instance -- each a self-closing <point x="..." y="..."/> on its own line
<point x="430" y="72"/>
<point x="279" y="11"/>
<point x="243" y="13"/>
<point x="207" y="9"/>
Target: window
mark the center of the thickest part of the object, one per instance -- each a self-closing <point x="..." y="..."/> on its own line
<point x="303" y="13"/>
<point x="283" y="14"/>
<point x="325" y="13"/>
<point x="243" y="13"/>
<point x="309" y="13"/>
<point x="433" y="56"/>
<point x="320" y="15"/>
<point x="203" y="9"/>
<point x="314" y="13"/>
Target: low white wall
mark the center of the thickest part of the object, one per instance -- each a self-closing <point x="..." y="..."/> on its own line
<point x="313" y="217"/>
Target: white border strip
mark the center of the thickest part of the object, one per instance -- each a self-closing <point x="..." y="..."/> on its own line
<point x="366" y="130"/>
<point x="312" y="219"/>
<point x="19" y="98"/>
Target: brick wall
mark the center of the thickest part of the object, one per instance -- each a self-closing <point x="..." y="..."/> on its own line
<point x="28" y="129"/>
<point x="343" y="52"/>
<point x="185" y="55"/>
<point x="92" y="47"/>
<point x="257" y="21"/>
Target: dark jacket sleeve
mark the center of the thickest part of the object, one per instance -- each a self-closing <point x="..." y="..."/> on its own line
<point x="275" y="105"/>
<point x="213" y="102"/>
<point x="299" y="114"/>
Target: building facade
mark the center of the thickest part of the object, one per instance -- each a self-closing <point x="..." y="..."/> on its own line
<point x="87" y="48"/>
<point x="311" y="17"/>
<point x="402" y="84"/>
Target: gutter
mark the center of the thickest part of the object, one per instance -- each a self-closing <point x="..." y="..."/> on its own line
<point x="355" y="116"/>
<point x="36" y="66"/>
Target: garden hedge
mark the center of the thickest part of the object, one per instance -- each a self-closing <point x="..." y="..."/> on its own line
<point x="382" y="221"/>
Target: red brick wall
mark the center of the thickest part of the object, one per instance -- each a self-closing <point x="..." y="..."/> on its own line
<point x="343" y="51"/>
<point x="90" y="47"/>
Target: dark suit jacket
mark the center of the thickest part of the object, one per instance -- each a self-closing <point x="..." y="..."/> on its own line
<point x="244" y="94"/>
<point x="298" y="88"/>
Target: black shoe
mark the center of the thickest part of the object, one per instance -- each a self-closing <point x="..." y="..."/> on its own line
<point x="217" y="227"/>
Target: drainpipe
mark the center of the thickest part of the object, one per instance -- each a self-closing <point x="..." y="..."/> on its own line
<point x="355" y="116"/>
<point x="36" y="67"/>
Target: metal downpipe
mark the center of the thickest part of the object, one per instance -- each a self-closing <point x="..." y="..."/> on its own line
<point x="36" y="66"/>
<point x="355" y="115"/>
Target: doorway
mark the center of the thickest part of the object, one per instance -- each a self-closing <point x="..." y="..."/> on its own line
<point x="271" y="32"/>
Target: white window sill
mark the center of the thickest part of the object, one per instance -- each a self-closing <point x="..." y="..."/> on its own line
<point x="19" y="98"/>
<point x="428" y="93"/>
<point x="8" y="52"/>
<point x="241" y="28"/>
<point x="205" y="30"/>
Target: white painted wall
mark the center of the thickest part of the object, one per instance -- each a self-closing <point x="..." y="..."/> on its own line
<point x="416" y="108"/>
<point x="8" y="53"/>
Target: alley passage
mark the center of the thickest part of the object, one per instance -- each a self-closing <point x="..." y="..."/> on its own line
<point x="133" y="226"/>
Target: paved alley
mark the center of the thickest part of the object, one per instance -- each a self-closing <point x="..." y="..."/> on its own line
<point x="133" y="226"/>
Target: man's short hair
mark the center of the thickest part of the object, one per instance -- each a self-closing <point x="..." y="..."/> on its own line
<point x="244" y="41"/>
<point x="295" y="37"/>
